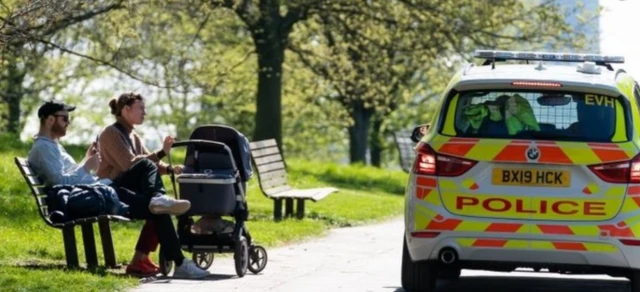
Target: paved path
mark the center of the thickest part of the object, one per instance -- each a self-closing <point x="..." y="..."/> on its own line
<point x="366" y="259"/>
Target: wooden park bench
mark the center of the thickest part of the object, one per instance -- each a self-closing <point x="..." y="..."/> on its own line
<point x="68" y="232"/>
<point x="272" y="177"/>
<point x="405" y="149"/>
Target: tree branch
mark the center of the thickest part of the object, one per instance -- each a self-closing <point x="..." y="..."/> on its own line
<point x="80" y="18"/>
<point x="105" y="63"/>
<point x="295" y="14"/>
<point x="246" y="11"/>
<point x="46" y="29"/>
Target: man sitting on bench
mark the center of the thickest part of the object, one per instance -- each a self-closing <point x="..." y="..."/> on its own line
<point x="140" y="187"/>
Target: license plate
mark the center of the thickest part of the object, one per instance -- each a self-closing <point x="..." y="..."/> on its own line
<point x="531" y="177"/>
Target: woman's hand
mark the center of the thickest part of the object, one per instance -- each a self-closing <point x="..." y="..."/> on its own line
<point x="92" y="163"/>
<point x="93" y="149"/>
<point x="177" y="169"/>
<point x="168" y="142"/>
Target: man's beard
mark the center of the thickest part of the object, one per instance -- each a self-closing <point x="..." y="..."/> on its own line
<point x="58" y="130"/>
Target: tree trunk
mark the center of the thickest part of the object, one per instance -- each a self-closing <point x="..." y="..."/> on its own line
<point x="375" y="142"/>
<point x="270" y="47"/>
<point x="11" y="91"/>
<point x="358" y="133"/>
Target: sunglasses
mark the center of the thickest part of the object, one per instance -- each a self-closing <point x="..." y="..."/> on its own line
<point x="65" y="118"/>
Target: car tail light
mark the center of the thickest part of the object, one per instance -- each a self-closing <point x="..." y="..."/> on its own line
<point x="536" y="84"/>
<point x="631" y="242"/>
<point x="428" y="162"/>
<point x="619" y="172"/>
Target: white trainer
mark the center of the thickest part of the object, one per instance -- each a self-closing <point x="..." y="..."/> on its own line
<point x="166" y="205"/>
<point x="189" y="270"/>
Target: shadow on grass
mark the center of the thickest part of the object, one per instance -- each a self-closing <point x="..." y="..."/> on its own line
<point x="103" y="271"/>
<point x="337" y="222"/>
<point x="358" y="183"/>
<point x="98" y="271"/>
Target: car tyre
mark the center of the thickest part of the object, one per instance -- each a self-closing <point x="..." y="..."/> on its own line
<point x="449" y="273"/>
<point x="417" y="276"/>
<point x="635" y="281"/>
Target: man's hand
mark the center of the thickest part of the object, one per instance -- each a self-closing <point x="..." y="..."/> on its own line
<point x="92" y="162"/>
<point x="168" y="142"/>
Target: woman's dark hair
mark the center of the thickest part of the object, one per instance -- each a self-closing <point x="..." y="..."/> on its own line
<point x="117" y="104"/>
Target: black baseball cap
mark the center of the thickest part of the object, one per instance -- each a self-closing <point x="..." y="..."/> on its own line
<point x="51" y="107"/>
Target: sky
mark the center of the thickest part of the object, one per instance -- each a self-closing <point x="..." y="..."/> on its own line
<point x="619" y="32"/>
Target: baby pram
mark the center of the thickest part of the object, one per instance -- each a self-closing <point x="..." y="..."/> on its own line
<point x="216" y="170"/>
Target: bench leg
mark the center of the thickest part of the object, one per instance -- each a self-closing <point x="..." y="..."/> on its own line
<point x="70" y="251"/>
<point x="277" y="209"/>
<point x="107" y="244"/>
<point x="300" y="208"/>
<point x="288" y="207"/>
<point x="89" y="245"/>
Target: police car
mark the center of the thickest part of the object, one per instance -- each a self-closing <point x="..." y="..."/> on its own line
<point x="528" y="164"/>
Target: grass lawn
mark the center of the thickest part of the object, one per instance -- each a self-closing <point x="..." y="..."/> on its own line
<point x="32" y="254"/>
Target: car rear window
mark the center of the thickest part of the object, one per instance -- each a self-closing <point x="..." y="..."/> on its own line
<point x="541" y="115"/>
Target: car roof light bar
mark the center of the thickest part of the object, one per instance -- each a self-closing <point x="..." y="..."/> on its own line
<point x="544" y="56"/>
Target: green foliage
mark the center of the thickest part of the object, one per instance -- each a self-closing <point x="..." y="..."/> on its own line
<point x="384" y="56"/>
<point x="196" y="62"/>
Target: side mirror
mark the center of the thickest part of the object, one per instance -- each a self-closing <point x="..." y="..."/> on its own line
<point x="419" y="132"/>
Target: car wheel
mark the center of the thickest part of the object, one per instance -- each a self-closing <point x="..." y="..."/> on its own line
<point x="635" y="281"/>
<point x="417" y="276"/>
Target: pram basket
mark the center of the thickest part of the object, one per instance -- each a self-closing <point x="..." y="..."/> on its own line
<point x="211" y="191"/>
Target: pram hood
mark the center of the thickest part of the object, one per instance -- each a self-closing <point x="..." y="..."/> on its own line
<point x="236" y="141"/>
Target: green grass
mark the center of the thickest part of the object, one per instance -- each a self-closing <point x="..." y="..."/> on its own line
<point x="32" y="254"/>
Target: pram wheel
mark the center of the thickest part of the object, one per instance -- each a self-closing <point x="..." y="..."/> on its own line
<point x="203" y="259"/>
<point x="241" y="256"/>
<point x="257" y="259"/>
<point x="165" y="265"/>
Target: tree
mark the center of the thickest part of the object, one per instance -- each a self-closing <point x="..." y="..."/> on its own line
<point x="26" y="30"/>
<point x="371" y="53"/>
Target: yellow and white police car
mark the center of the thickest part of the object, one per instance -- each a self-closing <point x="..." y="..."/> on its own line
<point x="528" y="165"/>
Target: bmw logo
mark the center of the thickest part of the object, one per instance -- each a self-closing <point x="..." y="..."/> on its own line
<point x="533" y="153"/>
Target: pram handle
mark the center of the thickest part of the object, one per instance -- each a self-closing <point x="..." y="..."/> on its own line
<point x="197" y="142"/>
<point x="217" y="146"/>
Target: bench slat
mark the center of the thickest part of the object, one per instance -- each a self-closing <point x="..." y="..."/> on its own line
<point x="280" y="181"/>
<point x="44" y="210"/>
<point x="274" y="174"/>
<point x="315" y="194"/>
<point x="39" y="191"/>
<point x="264" y="152"/>
<point x="263" y="144"/>
<point x="22" y="161"/>
<point x="268" y="159"/>
<point x="277" y="191"/>
<point x="28" y="171"/>
<point x="271" y="166"/>
<point x="33" y="180"/>
<point x="93" y="219"/>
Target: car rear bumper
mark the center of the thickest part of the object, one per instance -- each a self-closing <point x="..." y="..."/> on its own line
<point x="522" y="252"/>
